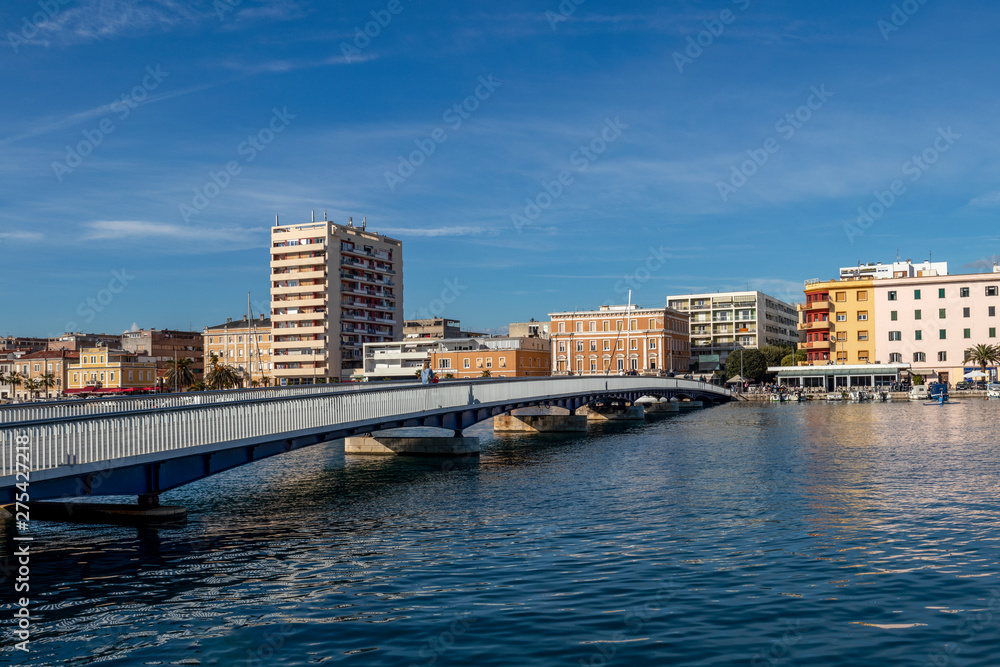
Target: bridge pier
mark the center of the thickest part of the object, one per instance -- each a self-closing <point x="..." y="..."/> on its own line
<point x="368" y="445"/>
<point x="655" y="406"/>
<point x="571" y="423"/>
<point x="108" y="513"/>
<point x="615" y="413"/>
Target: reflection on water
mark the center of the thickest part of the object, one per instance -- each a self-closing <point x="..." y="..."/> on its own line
<point x="761" y="534"/>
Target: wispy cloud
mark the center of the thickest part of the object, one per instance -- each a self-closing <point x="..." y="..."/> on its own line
<point x="183" y="238"/>
<point x="986" y="263"/>
<point x="21" y="236"/>
<point x="438" y="231"/>
<point x="281" y="66"/>
<point x="54" y="124"/>
<point x="991" y="199"/>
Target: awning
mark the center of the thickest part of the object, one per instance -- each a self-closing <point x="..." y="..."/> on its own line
<point x="85" y="390"/>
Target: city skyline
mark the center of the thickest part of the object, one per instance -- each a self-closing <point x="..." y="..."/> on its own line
<point x="534" y="158"/>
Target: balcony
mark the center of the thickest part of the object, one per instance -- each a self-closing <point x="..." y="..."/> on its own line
<point x="815" y="326"/>
<point x="814" y="305"/>
<point x="817" y="345"/>
<point x="299" y="289"/>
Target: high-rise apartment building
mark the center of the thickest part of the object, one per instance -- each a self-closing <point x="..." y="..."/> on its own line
<point x="725" y="321"/>
<point x="333" y="289"/>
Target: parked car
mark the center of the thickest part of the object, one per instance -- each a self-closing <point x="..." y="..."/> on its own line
<point x="962" y="385"/>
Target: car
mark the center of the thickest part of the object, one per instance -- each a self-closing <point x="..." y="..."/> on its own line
<point x="962" y="385"/>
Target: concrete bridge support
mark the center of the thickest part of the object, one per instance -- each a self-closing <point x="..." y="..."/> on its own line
<point x="379" y="445"/>
<point x="660" y="407"/>
<point x="571" y="423"/>
<point x="615" y="413"/>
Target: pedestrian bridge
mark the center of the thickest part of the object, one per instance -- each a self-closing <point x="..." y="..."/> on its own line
<point x="146" y="445"/>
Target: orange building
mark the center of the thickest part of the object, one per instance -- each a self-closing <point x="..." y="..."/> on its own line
<point x="37" y="365"/>
<point x="491" y="357"/>
<point x="839" y="320"/>
<point x="609" y="340"/>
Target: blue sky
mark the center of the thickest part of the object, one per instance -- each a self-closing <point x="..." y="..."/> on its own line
<point x="643" y="110"/>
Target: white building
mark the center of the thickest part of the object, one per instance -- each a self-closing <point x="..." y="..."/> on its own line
<point x="333" y="289"/>
<point x="905" y="269"/>
<point x="929" y="322"/>
<point x="399" y="360"/>
<point x="725" y="321"/>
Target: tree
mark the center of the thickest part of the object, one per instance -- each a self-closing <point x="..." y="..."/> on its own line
<point x="754" y="366"/>
<point x="487" y="373"/>
<point x="32" y="386"/>
<point x="775" y="353"/>
<point x="198" y="385"/>
<point x="787" y="360"/>
<point x="47" y="381"/>
<point x="180" y="374"/>
<point x="982" y="355"/>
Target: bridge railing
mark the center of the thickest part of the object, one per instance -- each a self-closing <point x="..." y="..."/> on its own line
<point x="91" y="439"/>
<point x="20" y="412"/>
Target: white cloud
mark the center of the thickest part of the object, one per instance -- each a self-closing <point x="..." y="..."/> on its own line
<point x="436" y="231"/>
<point x="177" y="238"/>
<point x="991" y="199"/>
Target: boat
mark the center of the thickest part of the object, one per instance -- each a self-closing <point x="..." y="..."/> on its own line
<point x="779" y="397"/>
<point x="835" y="396"/>
<point x="918" y="392"/>
<point x="860" y="395"/>
<point x="937" y="391"/>
<point x="993" y="390"/>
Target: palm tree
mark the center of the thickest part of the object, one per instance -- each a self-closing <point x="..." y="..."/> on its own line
<point x="487" y="373"/>
<point x="982" y="355"/>
<point x="15" y="380"/>
<point x="179" y="374"/>
<point x="47" y="381"/>
<point x="222" y="376"/>
<point x="32" y="386"/>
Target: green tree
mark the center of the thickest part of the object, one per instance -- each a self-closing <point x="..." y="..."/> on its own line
<point x="983" y="355"/>
<point x="179" y="374"/>
<point x="754" y="365"/>
<point x="788" y="360"/>
<point x="32" y="386"/>
<point x="47" y="381"/>
<point x="775" y="353"/>
<point x="487" y="373"/>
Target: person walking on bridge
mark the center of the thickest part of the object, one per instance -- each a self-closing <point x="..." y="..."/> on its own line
<point x="426" y="374"/>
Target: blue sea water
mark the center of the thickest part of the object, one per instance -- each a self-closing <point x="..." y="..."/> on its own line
<point x="747" y="534"/>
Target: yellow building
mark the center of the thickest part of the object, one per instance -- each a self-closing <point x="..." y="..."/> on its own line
<point x="839" y="320"/>
<point x="244" y="345"/>
<point x="104" y="371"/>
<point x="37" y="365"/>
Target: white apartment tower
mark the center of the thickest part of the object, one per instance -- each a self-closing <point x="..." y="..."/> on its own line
<point x="333" y="289"/>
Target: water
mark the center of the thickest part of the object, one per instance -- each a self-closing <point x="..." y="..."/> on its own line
<point x="812" y="534"/>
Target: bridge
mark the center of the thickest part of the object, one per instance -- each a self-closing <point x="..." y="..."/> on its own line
<point x="144" y="446"/>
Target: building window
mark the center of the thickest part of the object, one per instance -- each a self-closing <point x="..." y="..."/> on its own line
<point x="942" y="334"/>
<point x="607" y="325"/>
<point x="579" y="346"/>
<point x="579" y="326"/>
<point x="607" y="345"/>
<point x="862" y="335"/>
<point x="634" y="344"/>
<point x="862" y="295"/>
<point x="840" y="296"/>
<point x="895" y="335"/>
<point x="862" y="316"/>
<point x="993" y="311"/>
<point x="842" y="356"/>
<point x="895" y="358"/>
<point x="562" y="346"/>
<point x="863" y="356"/>
<point x="841" y="317"/>
<point x="593" y="365"/>
<point x="892" y="295"/>
<point x="916" y="294"/>
<point x="130" y="376"/>
<point x="942" y="356"/>
<point x="76" y="377"/>
<point x="966" y="333"/>
<point x="892" y="315"/>
<point x="991" y="290"/>
<point x="916" y="314"/>
<point x="993" y="332"/>
<point x="963" y="291"/>
<point x="593" y="346"/>
<point x="941" y="313"/>
<point x="503" y="362"/>
<point x="562" y="327"/>
<point x="841" y="335"/>
<point x="652" y="343"/>
<point x="489" y="362"/>
<point x="444" y="363"/>
<point x="593" y="326"/>
<point x="112" y="378"/>
<point x="918" y="335"/>
<point x="479" y="362"/>
<point x="466" y="363"/>
<point x="965" y="312"/>
<point x="919" y="356"/>
<point x="941" y="293"/>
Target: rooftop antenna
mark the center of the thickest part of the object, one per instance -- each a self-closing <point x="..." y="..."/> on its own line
<point x="314" y="215"/>
<point x="364" y="223"/>
<point x="276" y="220"/>
<point x="897" y="253"/>
<point x="324" y="215"/>
<point x="350" y="221"/>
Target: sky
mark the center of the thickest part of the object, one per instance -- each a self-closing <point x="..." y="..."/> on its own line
<point x="533" y="156"/>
